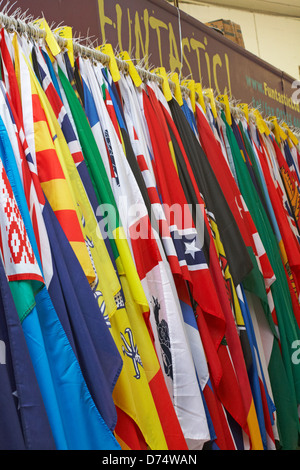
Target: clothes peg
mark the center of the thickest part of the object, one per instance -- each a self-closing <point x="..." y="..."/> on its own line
<point x="113" y="66"/>
<point x="199" y="95"/>
<point x="135" y="77"/>
<point x="178" y="95"/>
<point x="224" y="100"/>
<point x="161" y="72"/>
<point x="208" y="92"/>
<point x="190" y="84"/>
<point x="65" y="32"/>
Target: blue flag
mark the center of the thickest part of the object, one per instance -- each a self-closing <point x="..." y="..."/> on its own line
<point x="24" y="422"/>
<point x="71" y="293"/>
<point x="256" y="374"/>
<point x="75" y="420"/>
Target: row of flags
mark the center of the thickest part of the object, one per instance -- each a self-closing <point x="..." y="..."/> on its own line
<point x="149" y="275"/>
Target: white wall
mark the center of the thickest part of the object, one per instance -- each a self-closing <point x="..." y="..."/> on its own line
<point x="274" y="38"/>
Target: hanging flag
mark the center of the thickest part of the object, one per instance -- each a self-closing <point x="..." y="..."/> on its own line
<point x="252" y="168"/>
<point x="164" y="309"/>
<point x="24" y="292"/>
<point x="104" y="287"/>
<point x="221" y="272"/>
<point x="280" y="295"/>
<point x="10" y="78"/>
<point x="263" y="403"/>
<point x="292" y="281"/>
<point x="217" y="414"/>
<point x="85" y="348"/>
<point x="50" y="172"/>
<point x="290" y="183"/>
<point x="239" y="261"/>
<point x="287" y="150"/>
<point x="212" y="332"/>
<point x="25" y="424"/>
<point x="97" y="354"/>
<point x="132" y="382"/>
<point x="57" y="104"/>
<point x="34" y="328"/>
<point x="289" y="245"/>
<point x="108" y="284"/>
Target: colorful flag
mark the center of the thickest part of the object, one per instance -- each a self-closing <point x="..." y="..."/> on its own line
<point x="210" y="318"/>
<point x="220" y="267"/>
<point x="91" y="340"/>
<point x="35" y="328"/>
<point x="42" y="143"/>
<point x="104" y="287"/>
<point x="49" y="347"/>
<point x="216" y="418"/>
<point x="280" y="220"/>
<point x="290" y="182"/>
<point x="165" y="313"/>
<point x="25" y="424"/>
<point x="234" y="246"/>
<point x="281" y="297"/>
<point x="100" y="374"/>
<point x="132" y="395"/>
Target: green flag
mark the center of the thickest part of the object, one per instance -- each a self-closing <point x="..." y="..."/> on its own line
<point x="138" y="399"/>
<point x="286" y="392"/>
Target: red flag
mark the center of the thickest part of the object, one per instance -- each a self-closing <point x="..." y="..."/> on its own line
<point x="289" y="247"/>
<point x="290" y="184"/>
<point x="210" y="316"/>
<point x="152" y="273"/>
<point x="10" y="78"/>
<point x="235" y="201"/>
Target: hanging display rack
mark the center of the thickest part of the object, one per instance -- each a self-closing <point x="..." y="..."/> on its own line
<point x="14" y="22"/>
<point x="11" y="23"/>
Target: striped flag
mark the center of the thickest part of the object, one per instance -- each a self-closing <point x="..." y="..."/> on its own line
<point x="102" y="343"/>
<point x="289" y="244"/>
<point x="24" y="422"/>
<point x="212" y="332"/>
<point x="40" y="323"/>
<point x="138" y="421"/>
<point x="104" y="287"/>
<point x="243" y="219"/>
<point x="289" y="240"/>
<point x="151" y="272"/>
<point x="170" y="249"/>
<point x="166" y="315"/>
<point x="280" y="293"/>
<point x="41" y="141"/>
<point x="290" y="183"/>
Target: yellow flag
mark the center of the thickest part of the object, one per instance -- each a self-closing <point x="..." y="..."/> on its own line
<point x="252" y="421"/>
<point x="104" y="280"/>
<point x="132" y="392"/>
